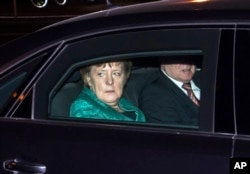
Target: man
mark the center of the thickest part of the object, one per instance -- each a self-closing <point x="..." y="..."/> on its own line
<point x="166" y="101"/>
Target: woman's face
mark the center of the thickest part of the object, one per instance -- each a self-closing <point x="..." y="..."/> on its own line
<point x="107" y="82"/>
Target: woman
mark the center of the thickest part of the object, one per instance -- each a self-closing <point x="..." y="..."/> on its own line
<point x="101" y="97"/>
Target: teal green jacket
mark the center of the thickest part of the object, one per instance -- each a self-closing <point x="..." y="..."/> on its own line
<point x="87" y="105"/>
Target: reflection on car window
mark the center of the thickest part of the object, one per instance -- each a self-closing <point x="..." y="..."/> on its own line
<point x="15" y="82"/>
<point x="150" y="94"/>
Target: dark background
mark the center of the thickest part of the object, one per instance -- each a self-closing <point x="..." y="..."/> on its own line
<point x="19" y="17"/>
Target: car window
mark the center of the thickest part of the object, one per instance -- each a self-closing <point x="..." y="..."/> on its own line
<point x="14" y="83"/>
<point x="144" y="72"/>
<point x="144" y="48"/>
<point x="242" y="83"/>
<point x="224" y="104"/>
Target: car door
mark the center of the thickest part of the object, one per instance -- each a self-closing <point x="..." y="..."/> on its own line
<point x="67" y="145"/>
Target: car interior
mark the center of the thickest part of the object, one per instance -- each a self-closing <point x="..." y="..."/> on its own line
<point x="143" y="73"/>
<point x="63" y="99"/>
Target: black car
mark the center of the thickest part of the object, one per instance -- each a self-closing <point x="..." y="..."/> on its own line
<point x="39" y="78"/>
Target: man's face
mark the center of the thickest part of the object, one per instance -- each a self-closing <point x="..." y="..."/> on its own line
<point x="107" y="82"/>
<point x="180" y="72"/>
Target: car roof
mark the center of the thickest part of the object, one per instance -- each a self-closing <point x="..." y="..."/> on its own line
<point x="166" y="5"/>
<point x="143" y="12"/>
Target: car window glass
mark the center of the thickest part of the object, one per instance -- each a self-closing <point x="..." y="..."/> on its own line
<point x="242" y="84"/>
<point x="224" y="107"/>
<point x="7" y="89"/>
<point x="142" y="45"/>
<point x="144" y="72"/>
<point x="14" y="83"/>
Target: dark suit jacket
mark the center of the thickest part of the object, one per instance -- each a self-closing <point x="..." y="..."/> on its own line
<point x="164" y="102"/>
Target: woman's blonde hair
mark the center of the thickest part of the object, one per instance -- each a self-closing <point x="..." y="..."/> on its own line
<point x="127" y="65"/>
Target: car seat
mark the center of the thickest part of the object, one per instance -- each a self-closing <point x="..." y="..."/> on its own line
<point x="61" y="101"/>
<point x="139" y="78"/>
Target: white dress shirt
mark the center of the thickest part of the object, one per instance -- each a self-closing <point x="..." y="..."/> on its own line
<point x="179" y="84"/>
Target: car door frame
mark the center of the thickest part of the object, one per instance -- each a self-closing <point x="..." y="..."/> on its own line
<point x="120" y="142"/>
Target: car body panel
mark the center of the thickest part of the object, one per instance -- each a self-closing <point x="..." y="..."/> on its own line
<point x="92" y="149"/>
<point x="49" y="57"/>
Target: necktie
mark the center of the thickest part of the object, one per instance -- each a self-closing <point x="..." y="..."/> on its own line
<point x="187" y="87"/>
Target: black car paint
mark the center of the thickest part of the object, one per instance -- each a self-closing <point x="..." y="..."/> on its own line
<point x="96" y="147"/>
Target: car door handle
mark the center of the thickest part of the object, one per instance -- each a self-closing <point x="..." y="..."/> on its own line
<point x="18" y="165"/>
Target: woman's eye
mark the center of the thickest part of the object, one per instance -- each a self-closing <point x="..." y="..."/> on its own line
<point x="100" y="74"/>
<point x="117" y="73"/>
